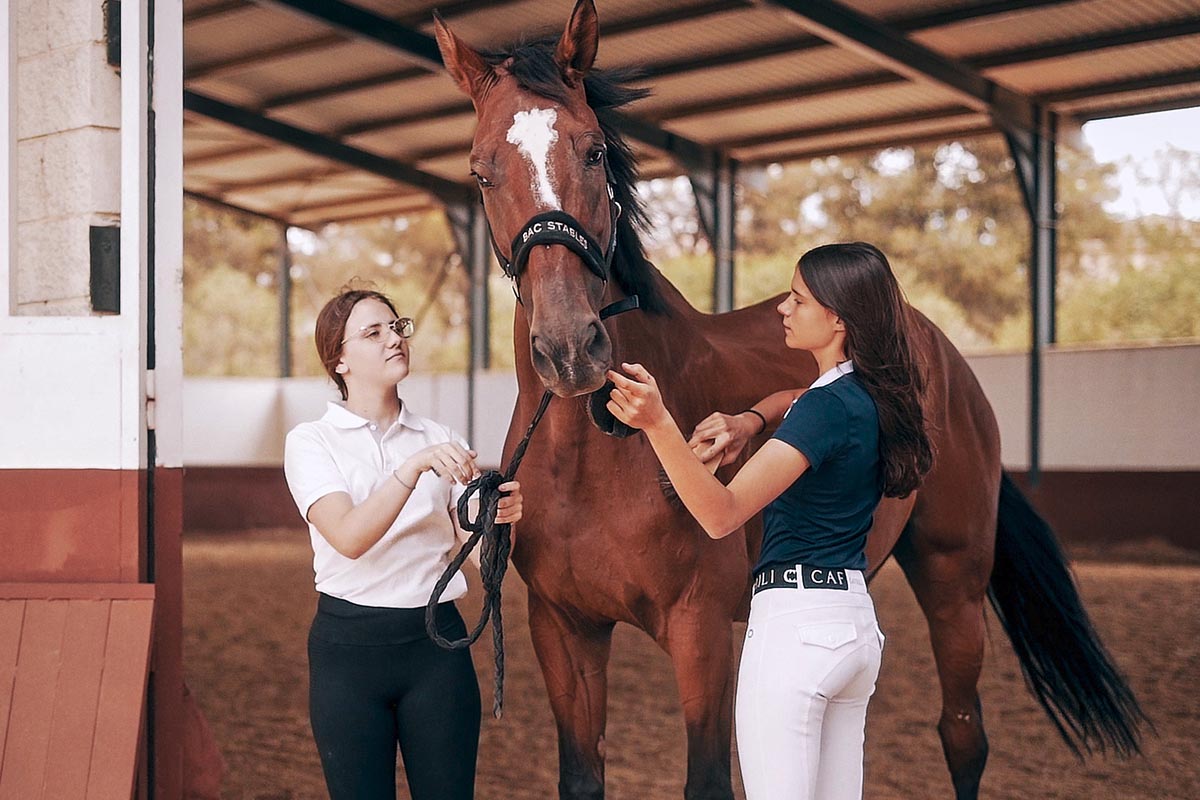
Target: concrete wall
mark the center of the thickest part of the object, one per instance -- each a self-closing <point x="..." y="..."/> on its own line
<point x="1121" y="445"/>
<point x="1126" y="408"/>
<point x="1111" y="409"/>
<point x="68" y="160"/>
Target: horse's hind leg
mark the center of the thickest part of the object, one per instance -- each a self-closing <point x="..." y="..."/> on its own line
<point x="574" y="658"/>
<point x="700" y="642"/>
<point x="950" y="587"/>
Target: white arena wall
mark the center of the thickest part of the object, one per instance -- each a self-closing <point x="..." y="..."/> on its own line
<point x="1121" y="426"/>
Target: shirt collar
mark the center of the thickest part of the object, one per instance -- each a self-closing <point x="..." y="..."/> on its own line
<point x="339" y="416"/>
<point x="829" y="376"/>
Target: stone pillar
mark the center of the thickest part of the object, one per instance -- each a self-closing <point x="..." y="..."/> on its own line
<point x="68" y="118"/>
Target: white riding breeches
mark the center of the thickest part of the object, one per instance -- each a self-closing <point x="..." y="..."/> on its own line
<point x="809" y="664"/>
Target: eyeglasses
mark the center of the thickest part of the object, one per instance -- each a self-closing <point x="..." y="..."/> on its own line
<point x="403" y="327"/>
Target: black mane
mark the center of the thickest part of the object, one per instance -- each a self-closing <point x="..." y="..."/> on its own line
<point x="533" y="66"/>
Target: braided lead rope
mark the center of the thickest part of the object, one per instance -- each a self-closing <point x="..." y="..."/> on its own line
<point x="493" y="557"/>
<point x="497" y="539"/>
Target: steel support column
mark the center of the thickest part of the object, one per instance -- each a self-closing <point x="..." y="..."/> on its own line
<point x="1035" y="156"/>
<point x="285" y="304"/>
<point x="469" y="227"/>
<point x="713" y="186"/>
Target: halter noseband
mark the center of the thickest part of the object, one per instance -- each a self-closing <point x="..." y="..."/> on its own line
<point x="559" y="227"/>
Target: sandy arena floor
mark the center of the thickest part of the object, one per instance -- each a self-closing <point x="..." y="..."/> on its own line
<point x="249" y="600"/>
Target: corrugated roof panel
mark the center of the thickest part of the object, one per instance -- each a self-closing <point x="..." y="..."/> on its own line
<point x="370" y="107"/>
<point x="1045" y="25"/>
<point x="855" y="137"/>
<point x="850" y="108"/>
<point x="1135" y="102"/>
<point x="339" y="61"/>
<point x="757" y="98"/>
<point x="491" y="27"/>
<point x="771" y="73"/>
<point x="884" y="9"/>
<point x="255" y="165"/>
<point x="360" y="209"/>
<point x="244" y="32"/>
<point x="714" y="33"/>
<point x="420" y="137"/>
<point x="1123" y="63"/>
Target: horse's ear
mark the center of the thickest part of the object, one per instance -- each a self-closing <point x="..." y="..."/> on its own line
<point x="465" y="65"/>
<point x="576" y="51"/>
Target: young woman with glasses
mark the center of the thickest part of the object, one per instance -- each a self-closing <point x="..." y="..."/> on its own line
<point x="813" y="647"/>
<point x="379" y="486"/>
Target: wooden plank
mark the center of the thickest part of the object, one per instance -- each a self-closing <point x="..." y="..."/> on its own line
<point x="73" y="718"/>
<point x="122" y="699"/>
<point x="23" y="769"/>
<point x="12" y="614"/>
<point x="76" y="591"/>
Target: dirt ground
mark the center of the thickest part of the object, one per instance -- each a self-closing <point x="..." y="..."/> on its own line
<point x="249" y="600"/>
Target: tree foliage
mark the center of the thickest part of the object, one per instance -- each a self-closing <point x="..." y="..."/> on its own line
<point x="950" y="218"/>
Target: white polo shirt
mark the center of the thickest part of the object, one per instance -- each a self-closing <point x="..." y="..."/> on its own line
<point x="338" y="453"/>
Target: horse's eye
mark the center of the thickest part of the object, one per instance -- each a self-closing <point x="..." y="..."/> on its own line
<point x="595" y="156"/>
<point x="482" y="181"/>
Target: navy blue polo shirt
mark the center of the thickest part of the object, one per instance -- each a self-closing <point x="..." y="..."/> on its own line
<point x="822" y="519"/>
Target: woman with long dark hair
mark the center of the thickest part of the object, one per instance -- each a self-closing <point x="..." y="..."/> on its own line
<point x="813" y="646"/>
<point x="378" y="486"/>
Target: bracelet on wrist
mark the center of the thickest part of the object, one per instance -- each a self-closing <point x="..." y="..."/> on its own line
<point x="759" y="415"/>
<point x="396" y="475"/>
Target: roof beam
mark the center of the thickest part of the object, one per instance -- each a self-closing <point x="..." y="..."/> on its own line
<point x="350" y="20"/>
<point x="325" y="147"/>
<point x="1141" y="83"/>
<point x="883" y="45"/>
<point x="236" y="209"/>
<point x="423" y="52"/>
<point x="1118" y="109"/>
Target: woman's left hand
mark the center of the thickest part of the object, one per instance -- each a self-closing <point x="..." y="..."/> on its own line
<point x="635" y="400"/>
<point x="508" y="510"/>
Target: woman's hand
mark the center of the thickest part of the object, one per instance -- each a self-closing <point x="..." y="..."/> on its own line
<point x="447" y="460"/>
<point x="723" y="436"/>
<point x="635" y="400"/>
<point x="508" y="510"/>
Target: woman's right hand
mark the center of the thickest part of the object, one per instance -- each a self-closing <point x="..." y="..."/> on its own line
<point x="723" y="436"/>
<point x="447" y="460"/>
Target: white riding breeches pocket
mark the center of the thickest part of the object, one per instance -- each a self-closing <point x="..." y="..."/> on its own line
<point x="809" y="665"/>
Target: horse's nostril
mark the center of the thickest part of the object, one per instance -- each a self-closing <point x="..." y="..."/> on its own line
<point x="596" y="343"/>
<point x="543" y="357"/>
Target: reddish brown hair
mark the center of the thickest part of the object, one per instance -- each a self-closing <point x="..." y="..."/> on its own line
<point x="331" y="328"/>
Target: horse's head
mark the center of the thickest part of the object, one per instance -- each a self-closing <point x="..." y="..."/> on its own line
<point x="539" y="148"/>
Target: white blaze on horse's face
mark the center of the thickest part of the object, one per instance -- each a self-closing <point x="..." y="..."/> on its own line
<point x="533" y="133"/>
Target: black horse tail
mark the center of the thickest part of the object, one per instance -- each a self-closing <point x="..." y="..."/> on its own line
<point x="1065" y="666"/>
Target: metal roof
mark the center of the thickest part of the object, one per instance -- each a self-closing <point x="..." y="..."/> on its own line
<point x="310" y="111"/>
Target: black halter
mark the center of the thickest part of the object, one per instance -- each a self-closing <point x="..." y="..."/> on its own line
<point x="559" y="227"/>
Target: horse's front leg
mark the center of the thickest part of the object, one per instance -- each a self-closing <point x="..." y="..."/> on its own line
<point x="574" y="658"/>
<point x="699" y="639"/>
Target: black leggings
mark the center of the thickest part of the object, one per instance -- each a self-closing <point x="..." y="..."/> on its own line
<point x="375" y="680"/>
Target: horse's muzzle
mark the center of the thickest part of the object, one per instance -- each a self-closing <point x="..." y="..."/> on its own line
<point x="602" y="418"/>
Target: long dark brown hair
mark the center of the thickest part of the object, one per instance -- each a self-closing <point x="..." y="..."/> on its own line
<point x="855" y="281"/>
<point x="331" y="328"/>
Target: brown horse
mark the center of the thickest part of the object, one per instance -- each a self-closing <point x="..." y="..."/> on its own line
<point x="601" y="544"/>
